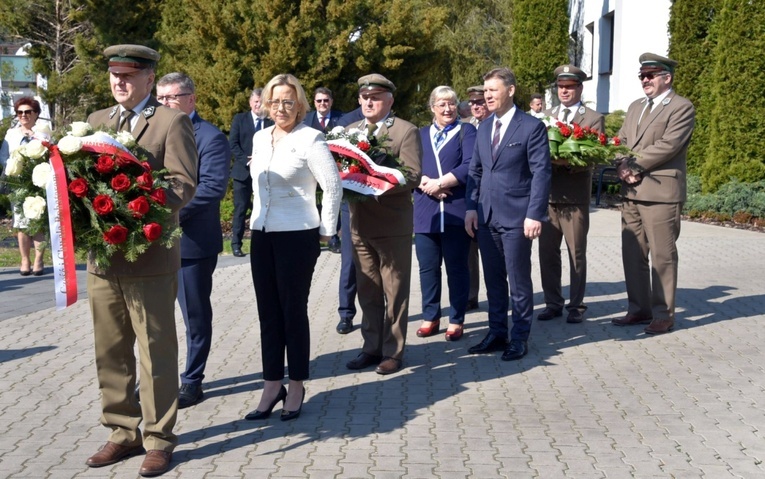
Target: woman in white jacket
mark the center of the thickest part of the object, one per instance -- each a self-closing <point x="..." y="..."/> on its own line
<point x="288" y="160"/>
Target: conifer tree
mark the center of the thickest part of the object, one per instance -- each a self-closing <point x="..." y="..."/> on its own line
<point x="737" y="123"/>
<point x="539" y="43"/>
<point x="691" y="41"/>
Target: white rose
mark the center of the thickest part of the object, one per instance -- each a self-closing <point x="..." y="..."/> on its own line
<point x="362" y="137"/>
<point x="15" y="164"/>
<point x="126" y="139"/>
<point x="69" y="145"/>
<point x="34" y="150"/>
<point x="33" y="207"/>
<point x="41" y="175"/>
<point x="81" y="128"/>
<point x="42" y="131"/>
<point x="338" y="130"/>
<point x="354" y="131"/>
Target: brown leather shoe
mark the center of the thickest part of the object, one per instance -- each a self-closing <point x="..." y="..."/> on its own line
<point x="111" y="452"/>
<point x="156" y="463"/>
<point x="660" y="326"/>
<point x="631" y="320"/>
<point x="389" y="366"/>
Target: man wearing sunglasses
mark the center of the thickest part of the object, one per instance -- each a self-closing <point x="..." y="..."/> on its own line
<point x="477" y="105"/>
<point x="324" y="118"/>
<point x="657" y="129"/>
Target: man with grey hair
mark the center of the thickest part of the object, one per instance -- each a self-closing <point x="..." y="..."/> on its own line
<point x="243" y="127"/>
<point x="134" y="301"/>
<point x="202" y="238"/>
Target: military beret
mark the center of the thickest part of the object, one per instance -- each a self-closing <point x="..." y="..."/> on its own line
<point x="375" y="81"/>
<point x="652" y="61"/>
<point x="570" y="72"/>
<point x="475" y="89"/>
<point x="130" y="58"/>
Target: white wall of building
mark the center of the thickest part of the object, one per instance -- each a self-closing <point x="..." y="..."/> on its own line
<point x="611" y="35"/>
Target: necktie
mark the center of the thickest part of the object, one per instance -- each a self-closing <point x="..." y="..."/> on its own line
<point x="323" y="122"/>
<point x="371" y="127"/>
<point x="495" y="140"/>
<point x="125" y="117"/>
<point x="646" y="110"/>
<point x="566" y="113"/>
<point x="257" y="124"/>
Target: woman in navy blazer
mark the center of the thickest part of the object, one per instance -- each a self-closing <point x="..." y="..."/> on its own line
<point x="439" y="213"/>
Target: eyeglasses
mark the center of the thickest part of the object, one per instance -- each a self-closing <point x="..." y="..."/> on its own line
<point x="651" y="76"/>
<point x="172" y="98"/>
<point x="322" y="100"/>
<point x="476" y="102"/>
<point x="24" y="112"/>
<point x="287" y="104"/>
<point x="444" y="105"/>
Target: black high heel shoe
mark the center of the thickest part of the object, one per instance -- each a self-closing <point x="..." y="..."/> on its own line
<point x="256" y="415"/>
<point x="287" y="415"/>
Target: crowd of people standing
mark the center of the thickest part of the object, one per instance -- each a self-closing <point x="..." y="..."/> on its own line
<point x="482" y="184"/>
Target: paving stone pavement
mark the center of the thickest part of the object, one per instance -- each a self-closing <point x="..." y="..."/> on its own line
<point x="590" y="400"/>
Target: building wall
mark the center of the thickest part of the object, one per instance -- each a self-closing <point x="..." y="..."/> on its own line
<point x="608" y="36"/>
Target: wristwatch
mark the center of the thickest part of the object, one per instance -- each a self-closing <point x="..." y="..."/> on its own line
<point x="438" y="183"/>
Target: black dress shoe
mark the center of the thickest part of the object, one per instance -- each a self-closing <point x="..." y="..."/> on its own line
<point x="363" y="361"/>
<point x="345" y="326"/>
<point x="237" y="252"/>
<point x="549" y="313"/>
<point x="489" y="344"/>
<point x="575" y="316"/>
<point x="516" y="349"/>
<point x="257" y="415"/>
<point x="189" y="394"/>
<point x="334" y="244"/>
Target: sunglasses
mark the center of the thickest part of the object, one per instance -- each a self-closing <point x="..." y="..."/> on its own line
<point x="650" y="76"/>
<point x="323" y="100"/>
<point x="476" y="102"/>
<point x="24" y="112"/>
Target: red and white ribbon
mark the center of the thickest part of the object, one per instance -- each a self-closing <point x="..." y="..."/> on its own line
<point x="61" y="234"/>
<point x="380" y="178"/>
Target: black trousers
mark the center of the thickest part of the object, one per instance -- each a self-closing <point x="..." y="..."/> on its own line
<point x="282" y="266"/>
<point x="242" y="202"/>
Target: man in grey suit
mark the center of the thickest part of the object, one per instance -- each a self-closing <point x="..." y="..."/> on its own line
<point x="135" y="301"/>
<point x="657" y="129"/>
<point x="569" y="208"/>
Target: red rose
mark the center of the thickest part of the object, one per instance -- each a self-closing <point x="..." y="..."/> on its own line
<point x="121" y="182"/>
<point x="145" y="181"/>
<point x="354" y="169"/>
<point x="602" y="139"/>
<point x="139" y="206"/>
<point x="103" y="204"/>
<point x="363" y="146"/>
<point x="152" y="231"/>
<point x="159" y="196"/>
<point x="104" y="164"/>
<point x="565" y="131"/>
<point x="79" y="187"/>
<point x="616" y="141"/>
<point x="117" y="234"/>
<point x="578" y="133"/>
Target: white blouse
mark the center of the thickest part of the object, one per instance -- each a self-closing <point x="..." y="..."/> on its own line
<point x="284" y="179"/>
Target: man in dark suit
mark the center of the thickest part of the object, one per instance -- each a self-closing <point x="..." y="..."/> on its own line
<point x="202" y="238"/>
<point x="507" y="192"/>
<point x="135" y="301"/>
<point x="569" y="210"/>
<point x="658" y="129"/>
<point x="381" y="231"/>
<point x="324" y="118"/>
<point x="243" y="127"/>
